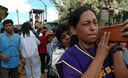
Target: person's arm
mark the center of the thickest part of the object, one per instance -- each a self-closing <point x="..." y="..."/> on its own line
<point x="54" y="57"/>
<point x="57" y="55"/>
<point x="38" y="41"/>
<point x="120" y="68"/>
<point x="21" y="57"/>
<point x="4" y="57"/>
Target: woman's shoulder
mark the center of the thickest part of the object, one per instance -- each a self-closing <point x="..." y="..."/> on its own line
<point x="59" y="49"/>
<point x="71" y="50"/>
<point x="68" y="54"/>
<point x="31" y="33"/>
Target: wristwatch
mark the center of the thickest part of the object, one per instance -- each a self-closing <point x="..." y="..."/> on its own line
<point x="115" y="49"/>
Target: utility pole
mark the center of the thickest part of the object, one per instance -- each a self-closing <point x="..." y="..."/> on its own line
<point x="45" y="10"/>
<point x="32" y="16"/>
<point x="17" y="16"/>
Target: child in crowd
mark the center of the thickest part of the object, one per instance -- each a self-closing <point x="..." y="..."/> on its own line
<point x="51" y="72"/>
<point x="63" y="35"/>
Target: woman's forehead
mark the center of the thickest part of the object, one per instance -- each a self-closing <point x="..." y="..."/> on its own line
<point x="88" y="15"/>
<point x="65" y="32"/>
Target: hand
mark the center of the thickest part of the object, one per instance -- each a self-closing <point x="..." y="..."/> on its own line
<point x="104" y="46"/>
<point x="23" y="61"/>
<point x="121" y="45"/>
<point x="5" y="58"/>
<point x="125" y="29"/>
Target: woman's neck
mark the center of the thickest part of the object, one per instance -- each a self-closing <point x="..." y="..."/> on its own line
<point x="87" y="45"/>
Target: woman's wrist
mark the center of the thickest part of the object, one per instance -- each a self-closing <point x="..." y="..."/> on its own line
<point x="100" y="58"/>
<point x="115" y="49"/>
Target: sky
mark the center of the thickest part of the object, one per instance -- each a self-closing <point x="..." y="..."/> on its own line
<point x="24" y="6"/>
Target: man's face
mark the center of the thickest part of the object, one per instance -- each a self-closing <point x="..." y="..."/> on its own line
<point x="9" y="28"/>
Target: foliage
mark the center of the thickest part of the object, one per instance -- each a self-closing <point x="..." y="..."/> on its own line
<point x="119" y="6"/>
<point x="67" y="6"/>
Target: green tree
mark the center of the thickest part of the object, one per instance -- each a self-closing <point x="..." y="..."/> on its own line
<point x="67" y="6"/>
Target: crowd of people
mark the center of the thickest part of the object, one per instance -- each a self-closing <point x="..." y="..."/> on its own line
<point x="72" y="51"/>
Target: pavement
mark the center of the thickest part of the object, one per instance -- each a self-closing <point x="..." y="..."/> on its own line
<point x="22" y="72"/>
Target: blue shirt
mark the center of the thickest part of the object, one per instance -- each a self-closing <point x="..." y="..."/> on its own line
<point x="10" y="48"/>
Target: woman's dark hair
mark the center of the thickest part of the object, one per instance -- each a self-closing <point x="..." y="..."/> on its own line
<point x="17" y="31"/>
<point x="74" y="40"/>
<point x="7" y="21"/>
<point x="75" y="15"/>
<point x="25" y="28"/>
<point x="60" y="29"/>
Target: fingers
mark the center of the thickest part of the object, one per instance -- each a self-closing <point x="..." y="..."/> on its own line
<point x="124" y="28"/>
<point x="102" y="39"/>
<point x="122" y="45"/>
<point x="6" y="59"/>
<point x="125" y="34"/>
<point x="105" y="38"/>
<point x="125" y="22"/>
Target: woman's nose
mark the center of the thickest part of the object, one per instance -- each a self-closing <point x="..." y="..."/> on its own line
<point x="92" y="27"/>
<point x="67" y="37"/>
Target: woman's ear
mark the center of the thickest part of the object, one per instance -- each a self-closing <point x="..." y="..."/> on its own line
<point x="73" y="30"/>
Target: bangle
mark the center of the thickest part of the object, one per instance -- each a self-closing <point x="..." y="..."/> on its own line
<point x="115" y="49"/>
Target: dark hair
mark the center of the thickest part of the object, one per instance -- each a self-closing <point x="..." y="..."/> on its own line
<point x="44" y="27"/>
<point x="75" y="15"/>
<point x="38" y="31"/>
<point x="74" y="40"/>
<point x="54" y="30"/>
<point x="25" y="28"/>
<point x="17" y="31"/>
<point x="7" y="21"/>
<point x="60" y="29"/>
